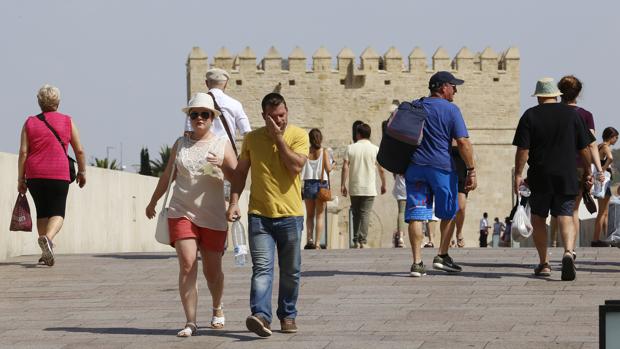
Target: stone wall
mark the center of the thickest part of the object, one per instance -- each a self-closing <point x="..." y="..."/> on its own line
<point x="332" y="97"/>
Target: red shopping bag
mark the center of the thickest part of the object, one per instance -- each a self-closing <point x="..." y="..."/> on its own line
<point x="21" y="219"/>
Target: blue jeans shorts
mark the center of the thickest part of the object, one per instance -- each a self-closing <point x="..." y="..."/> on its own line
<point x="311" y="188"/>
<point x="427" y="186"/>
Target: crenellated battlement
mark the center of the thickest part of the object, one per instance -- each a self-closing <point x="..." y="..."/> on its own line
<point x="330" y="90"/>
<point x="369" y="61"/>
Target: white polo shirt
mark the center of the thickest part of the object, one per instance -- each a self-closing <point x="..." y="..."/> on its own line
<point x="362" y="157"/>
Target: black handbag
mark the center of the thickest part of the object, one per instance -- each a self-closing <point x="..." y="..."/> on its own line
<point x="70" y="160"/>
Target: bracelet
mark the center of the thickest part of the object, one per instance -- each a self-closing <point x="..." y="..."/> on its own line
<point x="469" y="169"/>
<point x="81" y="173"/>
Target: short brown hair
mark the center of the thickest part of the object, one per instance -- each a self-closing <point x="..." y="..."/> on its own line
<point x="570" y="87"/>
<point x="363" y="130"/>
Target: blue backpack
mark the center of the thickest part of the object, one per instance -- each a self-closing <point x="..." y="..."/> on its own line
<point x="402" y="134"/>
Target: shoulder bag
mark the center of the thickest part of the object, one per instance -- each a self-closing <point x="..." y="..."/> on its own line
<point x="324" y="194"/>
<point x="224" y="123"/>
<point x="70" y="160"/>
<point x="162" y="231"/>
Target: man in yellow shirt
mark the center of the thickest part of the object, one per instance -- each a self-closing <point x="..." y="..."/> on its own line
<point x="276" y="152"/>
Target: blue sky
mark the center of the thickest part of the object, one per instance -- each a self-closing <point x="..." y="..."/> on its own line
<point x="120" y="65"/>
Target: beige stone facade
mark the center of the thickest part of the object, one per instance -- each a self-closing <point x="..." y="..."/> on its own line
<point x="331" y="96"/>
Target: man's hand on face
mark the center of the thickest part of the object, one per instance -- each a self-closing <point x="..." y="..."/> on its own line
<point x="272" y="127"/>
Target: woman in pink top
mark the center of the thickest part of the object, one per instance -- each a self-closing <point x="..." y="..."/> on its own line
<point x="43" y="167"/>
<point x="197" y="212"/>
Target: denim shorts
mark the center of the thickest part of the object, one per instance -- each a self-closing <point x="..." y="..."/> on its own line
<point x="427" y="186"/>
<point x="311" y="188"/>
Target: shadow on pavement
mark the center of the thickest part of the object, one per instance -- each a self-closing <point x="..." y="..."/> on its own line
<point x="25" y="265"/>
<point x="328" y="273"/>
<point x="154" y="331"/>
<point x="137" y="256"/>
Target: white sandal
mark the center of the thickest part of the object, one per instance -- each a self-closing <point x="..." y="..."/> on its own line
<point x="218" y="322"/>
<point x="189" y="330"/>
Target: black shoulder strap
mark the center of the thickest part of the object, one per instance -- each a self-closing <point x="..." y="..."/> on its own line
<point x="42" y="118"/>
<point x="225" y="123"/>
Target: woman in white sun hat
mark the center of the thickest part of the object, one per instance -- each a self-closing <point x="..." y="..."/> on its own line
<point x="197" y="212"/>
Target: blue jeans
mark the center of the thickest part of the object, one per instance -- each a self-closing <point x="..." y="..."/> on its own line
<point x="265" y="235"/>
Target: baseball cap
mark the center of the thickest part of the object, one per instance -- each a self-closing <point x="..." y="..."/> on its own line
<point x="443" y="77"/>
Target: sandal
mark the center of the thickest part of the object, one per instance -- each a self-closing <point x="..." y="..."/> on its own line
<point x="429" y="244"/>
<point x="217" y="322"/>
<point x="309" y="245"/>
<point x="542" y="270"/>
<point x="189" y="330"/>
<point x="460" y="242"/>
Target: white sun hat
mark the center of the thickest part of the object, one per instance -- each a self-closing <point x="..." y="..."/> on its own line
<point x="201" y="100"/>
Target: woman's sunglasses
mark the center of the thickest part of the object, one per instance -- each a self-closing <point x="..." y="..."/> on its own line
<point x="205" y="115"/>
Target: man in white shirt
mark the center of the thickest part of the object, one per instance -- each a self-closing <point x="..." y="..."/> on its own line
<point x="232" y="110"/>
<point x="484" y="229"/>
<point x="361" y="158"/>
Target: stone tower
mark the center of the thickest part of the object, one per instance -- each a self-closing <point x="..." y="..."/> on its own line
<point x="330" y="97"/>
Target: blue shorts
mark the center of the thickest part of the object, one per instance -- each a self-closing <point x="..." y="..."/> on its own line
<point x="311" y="188"/>
<point x="425" y="185"/>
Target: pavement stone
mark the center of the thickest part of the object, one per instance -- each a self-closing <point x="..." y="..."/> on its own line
<point x="348" y="299"/>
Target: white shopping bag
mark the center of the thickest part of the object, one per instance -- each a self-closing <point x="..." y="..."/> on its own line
<point x="521" y="226"/>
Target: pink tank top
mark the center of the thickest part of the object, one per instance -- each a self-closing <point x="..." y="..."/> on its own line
<point x="46" y="157"/>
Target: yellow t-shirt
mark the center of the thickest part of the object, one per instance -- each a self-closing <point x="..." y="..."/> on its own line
<point x="274" y="192"/>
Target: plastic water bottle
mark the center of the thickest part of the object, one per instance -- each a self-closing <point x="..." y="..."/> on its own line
<point x="524" y="191"/>
<point x="240" y="246"/>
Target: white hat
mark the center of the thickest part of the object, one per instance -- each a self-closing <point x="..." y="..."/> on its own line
<point x="201" y="100"/>
<point x="546" y="87"/>
<point x="217" y="74"/>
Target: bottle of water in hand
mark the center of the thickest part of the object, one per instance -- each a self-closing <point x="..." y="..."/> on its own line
<point x="239" y="243"/>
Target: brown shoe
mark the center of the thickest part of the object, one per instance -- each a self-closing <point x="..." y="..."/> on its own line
<point x="287" y="325"/>
<point x="258" y="325"/>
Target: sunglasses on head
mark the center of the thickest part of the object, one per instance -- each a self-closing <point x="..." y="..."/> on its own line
<point x="194" y="115"/>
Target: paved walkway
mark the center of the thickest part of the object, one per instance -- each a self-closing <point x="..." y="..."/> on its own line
<point x="349" y="299"/>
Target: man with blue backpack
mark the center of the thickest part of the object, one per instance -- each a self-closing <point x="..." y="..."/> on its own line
<point x="431" y="177"/>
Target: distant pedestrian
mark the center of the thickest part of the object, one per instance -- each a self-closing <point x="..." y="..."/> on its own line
<point x="197" y="211"/>
<point x="276" y="153"/>
<point x="610" y="137"/>
<point x="484" y="229"/>
<point x="432" y="182"/>
<point x="570" y="88"/>
<point x="547" y="137"/>
<point x="461" y="172"/>
<point x="505" y="236"/>
<point x="43" y="168"/>
<point x="498" y="231"/>
<point x="315" y="175"/>
<point x="358" y="170"/>
<point x="400" y="194"/>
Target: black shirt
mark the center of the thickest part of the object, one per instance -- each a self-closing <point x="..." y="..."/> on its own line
<point x="552" y="132"/>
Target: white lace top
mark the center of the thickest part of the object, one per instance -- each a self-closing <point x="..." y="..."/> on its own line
<point x="198" y="192"/>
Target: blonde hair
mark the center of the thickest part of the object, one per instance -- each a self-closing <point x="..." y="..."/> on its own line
<point x="48" y="98"/>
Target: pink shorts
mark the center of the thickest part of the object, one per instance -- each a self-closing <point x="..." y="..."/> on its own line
<point x="208" y="239"/>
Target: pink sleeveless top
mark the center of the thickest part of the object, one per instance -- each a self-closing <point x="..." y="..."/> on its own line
<point x="46" y="157"/>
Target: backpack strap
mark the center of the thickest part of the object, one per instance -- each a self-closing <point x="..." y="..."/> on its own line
<point x="224" y="123"/>
<point x="42" y="118"/>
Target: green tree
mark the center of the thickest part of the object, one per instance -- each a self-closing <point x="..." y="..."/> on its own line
<point x="145" y="163"/>
<point x="158" y="166"/>
<point x="105" y="163"/>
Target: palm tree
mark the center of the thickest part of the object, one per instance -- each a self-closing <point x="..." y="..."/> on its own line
<point x="158" y="166"/>
<point x="105" y="163"/>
